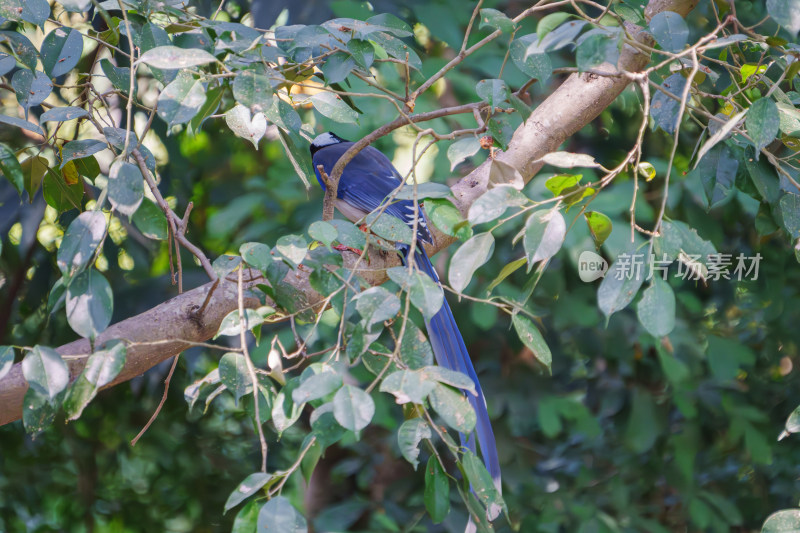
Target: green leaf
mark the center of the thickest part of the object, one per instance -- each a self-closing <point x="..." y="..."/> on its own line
<point x="425" y="293"/>
<point x="678" y="239"/>
<point x="252" y="88"/>
<point x="353" y="408"/>
<point x="100" y="370"/>
<point x="376" y="305"/>
<point x="620" y="285"/>
<point x="790" y="213"/>
<point x="415" y="350"/>
<point x="531" y="337"/>
<point x="497" y="20"/>
<point x="284" y="411"/>
<point x="33" y="170"/>
<point x="231" y="326"/>
<point x="323" y="232"/>
<point x="293" y="248"/>
<point x="461" y="150"/>
<point x="61" y="50"/>
<point x="80" y="149"/>
<point x="349" y="234"/>
<point x="337" y="67"/>
<point x="63" y="114"/>
<point x="493" y="91"/>
<point x="6" y="360"/>
<point x="225" y="264"/>
<point x="32" y="88"/>
<point x="19" y="123"/>
<point x="256" y="255"/>
<point x="449" y="377"/>
<point x="787" y="14"/>
<point x="596" y="50"/>
<point x="21" y="47"/>
<point x="447" y="218"/>
<point x="33" y="11"/>
<point x="246" y="519"/>
<point x="332" y="106"/>
<point x="151" y="221"/>
<point x="643" y="423"/>
<point x="59" y="194"/>
<point x="279" y="516"/>
<point x="119" y="77"/>
<point x="89" y="303"/>
<point x="80" y="241"/>
<point x="317" y="386"/>
<point x="363" y="53"/>
<point x="38" y="411"/>
<point x="247" y="488"/>
<point x="172" y="57"/>
<point x="468" y="258"/>
<point x="482" y="485"/>
<point x="726" y="357"/>
<point x="550" y="22"/>
<point x="562" y="36"/>
<point x="210" y="107"/>
<point x="11" y="169"/>
<point x="409" y="436"/>
<point x="561" y="182"/>
<point x="428" y="189"/>
<point x="408" y="386"/>
<point x="282" y="114"/>
<point x="493" y="204"/>
<point x="670" y="31"/>
<point x="762" y="123"/>
<point x="389" y="227"/>
<point x="599" y="226"/>
<point x="45" y="372"/>
<point x="125" y="187"/>
<point x="243" y="125"/>
<point x="656" y="309"/>
<point x="717" y="171"/>
<point x="664" y="109"/>
<point x="506" y="271"/>
<point x="7" y="63"/>
<point x="544" y="234"/>
<point x="453" y="407"/>
<point x="182" y="99"/>
<point x="437" y="490"/>
<point x="233" y="373"/>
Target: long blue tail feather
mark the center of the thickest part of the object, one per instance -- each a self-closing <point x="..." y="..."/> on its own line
<point x="451" y="352"/>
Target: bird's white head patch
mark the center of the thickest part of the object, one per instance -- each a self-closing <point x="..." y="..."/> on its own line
<point x="325" y="139"/>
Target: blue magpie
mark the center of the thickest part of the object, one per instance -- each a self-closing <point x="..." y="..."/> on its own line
<point x="368" y="179"/>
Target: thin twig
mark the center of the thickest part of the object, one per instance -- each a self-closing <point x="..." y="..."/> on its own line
<point x="161" y="403"/>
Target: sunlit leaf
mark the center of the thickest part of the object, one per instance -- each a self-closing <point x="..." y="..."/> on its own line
<point x="468" y="258"/>
<point x="89" y="303"/>
<point x="410" y="434"/>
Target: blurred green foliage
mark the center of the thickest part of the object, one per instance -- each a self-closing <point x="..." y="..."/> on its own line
<point x="629" y="433"/>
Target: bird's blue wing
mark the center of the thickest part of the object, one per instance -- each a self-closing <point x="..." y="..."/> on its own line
<point x="366" y="182"/>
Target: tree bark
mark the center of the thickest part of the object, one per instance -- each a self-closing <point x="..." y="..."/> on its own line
<point x="169" y="328"/>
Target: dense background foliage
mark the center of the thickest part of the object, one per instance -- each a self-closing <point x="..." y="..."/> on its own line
<point x="631" y="432"/>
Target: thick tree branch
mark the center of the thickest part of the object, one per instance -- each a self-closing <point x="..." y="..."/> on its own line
<point x="580" y="99"/>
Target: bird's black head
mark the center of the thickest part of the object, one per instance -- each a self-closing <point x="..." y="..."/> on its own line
<point x="325" y="139"/>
